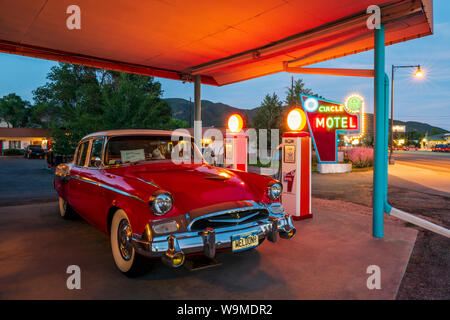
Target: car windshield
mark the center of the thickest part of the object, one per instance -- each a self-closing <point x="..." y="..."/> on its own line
<point x="132" y="149"/>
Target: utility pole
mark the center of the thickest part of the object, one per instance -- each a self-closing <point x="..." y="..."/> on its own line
<point x="190" y="113"/>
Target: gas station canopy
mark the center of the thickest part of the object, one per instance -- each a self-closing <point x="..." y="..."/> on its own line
<point x="224" y="41"/>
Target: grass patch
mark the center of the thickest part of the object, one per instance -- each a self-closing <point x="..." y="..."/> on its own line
<point x="355" y="169"/>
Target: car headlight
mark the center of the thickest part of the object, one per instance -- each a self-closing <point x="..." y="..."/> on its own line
<point x="274" y="190"/>
<point x="161" y="203"/>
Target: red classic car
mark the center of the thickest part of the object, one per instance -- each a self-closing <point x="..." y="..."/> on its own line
<point x="131" y="185"/>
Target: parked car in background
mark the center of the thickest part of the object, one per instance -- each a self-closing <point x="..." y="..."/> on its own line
<point x="33" y="151"/>
<point x="131" y="185"/>
<point x="441" y="148"/>
<point x="412" y="148"/>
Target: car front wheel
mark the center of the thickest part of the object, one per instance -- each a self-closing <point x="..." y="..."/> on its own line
<point x="127" y="260"/>
<point x="65" y="210"/>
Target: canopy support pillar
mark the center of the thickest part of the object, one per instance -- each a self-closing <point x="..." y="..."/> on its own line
<point x="380" y="167"/>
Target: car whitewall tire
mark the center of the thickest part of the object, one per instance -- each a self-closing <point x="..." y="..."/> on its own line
<point x="65" y="211"/>
<point x="125" y="257"/>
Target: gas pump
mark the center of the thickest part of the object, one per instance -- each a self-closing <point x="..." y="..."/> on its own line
<point x="235" y="144"/>
<point x="296" y="167"/>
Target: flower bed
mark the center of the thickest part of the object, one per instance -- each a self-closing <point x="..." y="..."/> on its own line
<point x="361" y="157"/>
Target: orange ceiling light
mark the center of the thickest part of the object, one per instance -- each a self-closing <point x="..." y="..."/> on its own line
<point x="235" y="123"/>
<point x="296" y="119"/>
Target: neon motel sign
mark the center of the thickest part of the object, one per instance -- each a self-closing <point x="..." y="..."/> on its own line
<point x="326" y="119"/>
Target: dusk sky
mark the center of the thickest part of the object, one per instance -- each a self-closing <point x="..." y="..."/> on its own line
<point x="425" y="100"/>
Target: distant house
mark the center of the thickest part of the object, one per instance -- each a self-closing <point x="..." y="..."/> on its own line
<point x="20" y="138"/>
<point x="431" y="141"/>
<point x="3" y="123"/>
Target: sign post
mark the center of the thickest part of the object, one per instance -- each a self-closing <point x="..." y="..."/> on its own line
<point x="296" y="167"/>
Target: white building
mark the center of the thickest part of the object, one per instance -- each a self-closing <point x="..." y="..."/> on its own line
<point x="3" y="124"/>
<point x="20" y="138"/>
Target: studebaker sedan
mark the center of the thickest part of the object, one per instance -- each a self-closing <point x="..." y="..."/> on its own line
<point x="132" y="185"/>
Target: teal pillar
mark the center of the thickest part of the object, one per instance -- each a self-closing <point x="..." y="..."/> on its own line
<point x="386" y="136"/>
<point x="379" y="172"/>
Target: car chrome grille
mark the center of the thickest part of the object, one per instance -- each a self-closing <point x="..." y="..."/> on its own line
<point x="228" y="219"/>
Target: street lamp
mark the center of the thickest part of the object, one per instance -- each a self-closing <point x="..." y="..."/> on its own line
<point x="418" y="74"/>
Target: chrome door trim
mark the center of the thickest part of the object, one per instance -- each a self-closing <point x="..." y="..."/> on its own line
<point x="84" y="179"/>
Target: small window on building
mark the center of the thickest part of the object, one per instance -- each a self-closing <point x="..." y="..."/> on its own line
<point x="14" y="144"/>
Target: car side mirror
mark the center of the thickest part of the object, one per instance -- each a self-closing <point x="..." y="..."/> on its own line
<point x="96" y="162"/>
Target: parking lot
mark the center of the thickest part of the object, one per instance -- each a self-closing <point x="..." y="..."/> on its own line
<point x="24" y="181"/>
<point x="321" y="262"/>
<point x="326" y="260"/>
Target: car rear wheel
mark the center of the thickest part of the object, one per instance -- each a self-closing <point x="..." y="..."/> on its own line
<point x="127" y="260"/>
<point x="65" y="210"/>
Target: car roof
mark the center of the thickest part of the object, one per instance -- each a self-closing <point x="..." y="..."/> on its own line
<point x="133" y="132"/>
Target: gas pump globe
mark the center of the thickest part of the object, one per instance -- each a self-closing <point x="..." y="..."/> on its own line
<point x="235" y="144"/>
<point x="296" y="167"/>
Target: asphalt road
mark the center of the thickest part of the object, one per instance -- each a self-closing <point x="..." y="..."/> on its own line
<point x="425" y="173"/>
<point x="25" y="181"/>
<point x="436" y="161"/>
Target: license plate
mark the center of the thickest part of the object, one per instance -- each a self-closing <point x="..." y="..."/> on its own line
<point x="244" y="241"/>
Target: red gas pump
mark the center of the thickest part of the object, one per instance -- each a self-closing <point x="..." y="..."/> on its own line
<point x="235" y="144"/>
<point x="296" y="167"/>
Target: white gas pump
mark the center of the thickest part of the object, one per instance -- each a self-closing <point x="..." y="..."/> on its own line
<point x="296" y="167"/>
<point x="235" y="144"/>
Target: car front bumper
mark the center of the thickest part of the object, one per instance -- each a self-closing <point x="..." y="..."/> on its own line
<point x="208" y="241"/>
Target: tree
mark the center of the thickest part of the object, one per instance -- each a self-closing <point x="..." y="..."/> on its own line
<point x="133" y="101"/>
<point x="14" y="111"/>
<point x="79" y="100"/>
<point x="293" y="93"/>
<point x="268" y="115"/>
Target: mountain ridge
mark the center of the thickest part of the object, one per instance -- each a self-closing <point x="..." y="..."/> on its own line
<point x="215" y="114"/>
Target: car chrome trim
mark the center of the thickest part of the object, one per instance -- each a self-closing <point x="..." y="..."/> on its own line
<point x="235" y="220"/>
<point x="84" y="179"/>
<point x="149" y="182"/>
<point x="209" y="240"/>
<point x="230" y="211"/>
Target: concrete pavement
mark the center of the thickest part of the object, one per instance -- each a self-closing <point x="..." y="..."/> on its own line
<point x="25" y="181"/>
<point x="327" y="259"/>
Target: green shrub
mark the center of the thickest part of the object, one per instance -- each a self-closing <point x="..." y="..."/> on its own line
<point x="12" y="152"/>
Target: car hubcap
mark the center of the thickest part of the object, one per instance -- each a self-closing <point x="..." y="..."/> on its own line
<point x="124" y="239"/>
